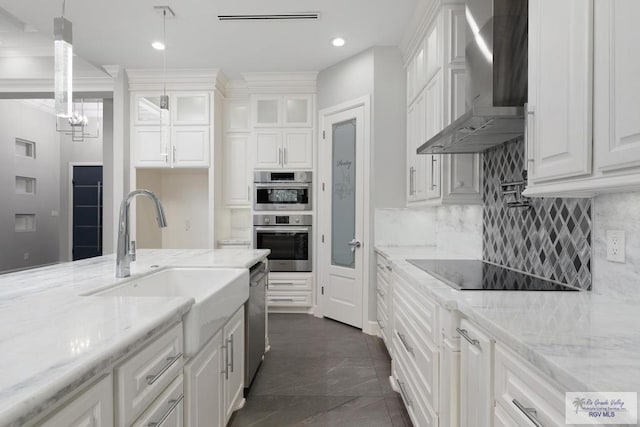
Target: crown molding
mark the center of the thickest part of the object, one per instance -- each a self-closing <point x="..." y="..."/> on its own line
<point x="236" y="90"/>
<point x="424" y="15"/>
<point x="276" y="82"/>
<point x="80" y="84"/>
<point x="176" y="79"/>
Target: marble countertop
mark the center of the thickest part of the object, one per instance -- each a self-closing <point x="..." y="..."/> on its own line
<point x="584" y="341"/>
<point x="52" y="339"/>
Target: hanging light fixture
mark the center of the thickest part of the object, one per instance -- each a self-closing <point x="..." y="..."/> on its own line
<point x="164" y="98"/>
<point x="63" y="59"/>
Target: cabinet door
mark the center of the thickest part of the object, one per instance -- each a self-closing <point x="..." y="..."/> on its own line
<point x="233" y="335"/>
<point x="411" y="158"/>
<point x="236" y="184"/>
<point x="151" y="146"/>
<point x="190" y="146"/>
<point x="203" y="386"/>
<point x="449" y="383"/>
<point x="94" y="407"/>
<point x="433" y="125"/>
<point x="418" y="161"/>
<point x="617" y="86"/>
<point x="236" y="116"/>
<point x="266" y="111"/>
<point x="167" y="410"/>
<point x="560" y="89"/>
<point x="476" y="377"/>
<point x="146" y="110"/>
<point x="297" y="149"/>
<point x="268" y="149"/>
<point x="190" y="108"/>
<point x="298" y="110"/>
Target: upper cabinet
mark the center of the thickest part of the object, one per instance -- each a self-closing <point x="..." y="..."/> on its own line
<point x="177" y="137"/>
<point x="436" y="97"/>
<point x="235" y="153"/>
<point x="583" y="136"/>
<point x="282" y="110"/>
<point x="282" y="131"/>
<point x="559" y="112"/>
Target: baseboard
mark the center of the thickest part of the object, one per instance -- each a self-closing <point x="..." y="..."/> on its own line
<point x="371" y="328"/>
<point x="393" y="384"/>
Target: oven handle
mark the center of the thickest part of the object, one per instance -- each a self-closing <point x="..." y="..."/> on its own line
<point x="281" y="185"/>
<point x="283" y="229"/>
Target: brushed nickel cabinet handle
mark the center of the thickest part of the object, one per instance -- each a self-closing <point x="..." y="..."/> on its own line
<point x="404" y="393"/>
<point x="153" y="378"/>
<point x="173" y="403"/>
<point x="405" y="344"/>
<point x="465" y="334"/>
<point x="530" y="413"/>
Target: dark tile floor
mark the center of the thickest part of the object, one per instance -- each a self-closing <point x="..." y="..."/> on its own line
<point x="322" y="373"/>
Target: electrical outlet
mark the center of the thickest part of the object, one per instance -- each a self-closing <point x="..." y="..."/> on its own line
<point x="26" y="256"/>
<point x="616" y="246"/>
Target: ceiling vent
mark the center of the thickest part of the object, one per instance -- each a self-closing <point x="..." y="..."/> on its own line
<point x="306" y="16"/>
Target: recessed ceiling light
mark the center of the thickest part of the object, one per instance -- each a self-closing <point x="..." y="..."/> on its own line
<point x="338" y="42"/>
<point x="157" y="45"/>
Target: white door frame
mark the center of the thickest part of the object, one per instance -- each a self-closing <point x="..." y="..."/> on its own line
<point x="324" y="218"/>
<point x="70" y="207"/>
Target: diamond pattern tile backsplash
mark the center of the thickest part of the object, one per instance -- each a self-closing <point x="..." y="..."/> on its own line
<point x="551" y="239"/>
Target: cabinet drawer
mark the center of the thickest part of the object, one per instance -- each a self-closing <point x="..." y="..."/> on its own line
<point x="419" y="410"/>
<point x="143" y="377"/>
<point x="421" y="358"/>
<point x="517" y="381"/>
<point x="382" y="299"/>
<point x="289" y="299"/>
<point x="294" y="284"/>
<point x="385" y="328"/>
<point x="94" y="407"/>
<point x="383" y="266"/>
<point x="167" y="410"/>
<point x="382" y="281"/>
<point x="420" y="310"/>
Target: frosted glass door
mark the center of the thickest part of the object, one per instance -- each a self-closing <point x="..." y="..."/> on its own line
<point x="343" y="206"/>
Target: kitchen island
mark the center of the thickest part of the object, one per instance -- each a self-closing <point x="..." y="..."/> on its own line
<point x="53" y="339"/>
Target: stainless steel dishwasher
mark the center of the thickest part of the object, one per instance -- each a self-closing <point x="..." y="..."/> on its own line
<point x="255" y="319"/>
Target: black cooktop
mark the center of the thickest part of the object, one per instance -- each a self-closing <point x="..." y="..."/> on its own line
<point x="475" y="275"/>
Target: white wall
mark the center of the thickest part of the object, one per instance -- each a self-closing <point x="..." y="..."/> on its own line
<point x="21" y="120"/>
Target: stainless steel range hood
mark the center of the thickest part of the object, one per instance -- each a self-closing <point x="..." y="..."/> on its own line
<point x="496" y="70"/>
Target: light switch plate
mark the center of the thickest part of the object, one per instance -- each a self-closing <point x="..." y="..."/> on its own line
<point x="616" y="246"/>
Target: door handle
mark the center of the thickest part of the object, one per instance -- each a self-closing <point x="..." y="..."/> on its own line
<point x="354" y="245"/>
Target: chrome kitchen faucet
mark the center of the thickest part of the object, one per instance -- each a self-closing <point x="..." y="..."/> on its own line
<point x="126" y="249"/>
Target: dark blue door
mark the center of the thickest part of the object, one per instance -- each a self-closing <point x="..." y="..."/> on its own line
<point x="87" y="212"/>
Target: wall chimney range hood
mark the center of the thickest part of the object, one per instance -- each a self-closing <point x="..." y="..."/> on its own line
<point x="496" y="84"/>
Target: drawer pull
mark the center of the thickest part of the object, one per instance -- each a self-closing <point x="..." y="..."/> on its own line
<point x="465" y="334"/>
<point x="281" y="299"/>
<point x="225" y="371"/>
<point x="153" y="378"/>
<point x="230" y="341"/>
<point x="530" y="413"/>
<point x="380" y="266"/>
<point x="403" y="339"/>
<point x="172" y="406"/>
<point x="389" y="268"/>
<point x="381" y="324"/>
<point x="380" y="293"/>
<point x="404" y="393"/>
<point x="283" y="283"/>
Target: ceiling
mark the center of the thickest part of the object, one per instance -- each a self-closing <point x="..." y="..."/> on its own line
<point x="120" y="32"/>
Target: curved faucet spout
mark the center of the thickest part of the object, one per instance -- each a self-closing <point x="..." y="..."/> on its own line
<point x="126" y="250"/>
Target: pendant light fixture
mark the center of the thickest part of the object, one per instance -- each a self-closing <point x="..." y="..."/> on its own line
<point x="164" y="98"/>
<point x="63" y="59"/>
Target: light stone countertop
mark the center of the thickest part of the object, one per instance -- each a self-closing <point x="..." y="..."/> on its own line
<point x="584" y="341"/>
<point x="52" y="339"/>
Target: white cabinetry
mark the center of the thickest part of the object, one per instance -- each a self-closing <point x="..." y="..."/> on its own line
<point x="236" y="168"/>
<point x="203" y="386"/>
<point x="214" y="378"/>
<point x="582" y="144"/>
<point x="233" y="337"/>
<point x="179" y="137"/>
<point x="436" y="97"/>
<point x="282" y="131"/>
<point x="476" y="377"/>
<point x="290" y="292"/>
<point x="559" y="114"/>
<point x="167" y="410"/>
<point x="141" y="378"/>
<point x="94" y="407"/>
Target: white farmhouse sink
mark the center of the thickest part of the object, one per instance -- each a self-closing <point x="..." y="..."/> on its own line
<point x="218" y="293"/>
